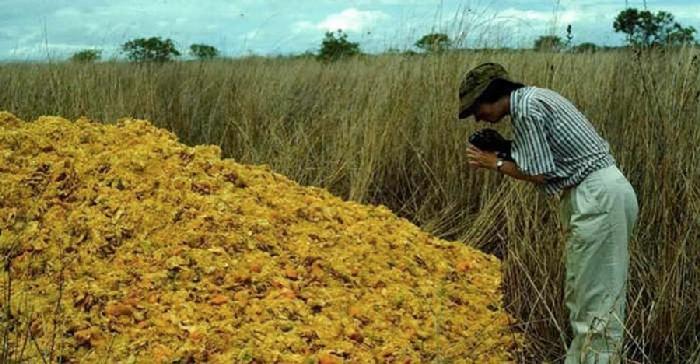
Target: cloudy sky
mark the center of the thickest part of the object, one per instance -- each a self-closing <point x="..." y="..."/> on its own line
<point x="37" y="29"/>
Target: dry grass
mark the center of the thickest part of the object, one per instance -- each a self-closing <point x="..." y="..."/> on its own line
<point x="383" y="130"/>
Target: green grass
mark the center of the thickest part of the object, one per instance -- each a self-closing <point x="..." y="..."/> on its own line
<point x="384" y="130"/>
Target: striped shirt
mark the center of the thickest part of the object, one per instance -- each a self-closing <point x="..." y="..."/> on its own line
<point x="554" y="139"/>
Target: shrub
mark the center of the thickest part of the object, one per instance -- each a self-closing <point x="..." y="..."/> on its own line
<point x="152" y="49"/>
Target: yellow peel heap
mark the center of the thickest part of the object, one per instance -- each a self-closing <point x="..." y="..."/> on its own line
<point x="124" y="245"/>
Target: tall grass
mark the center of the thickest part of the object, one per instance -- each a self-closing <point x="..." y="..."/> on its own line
<point x="384" y="130"/>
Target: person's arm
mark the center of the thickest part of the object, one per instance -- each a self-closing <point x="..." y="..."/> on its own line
<point x="484" y="159"/>
<point x="511" y="169"/>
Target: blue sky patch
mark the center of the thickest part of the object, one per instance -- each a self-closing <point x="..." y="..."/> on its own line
<point x="39" y="29"/>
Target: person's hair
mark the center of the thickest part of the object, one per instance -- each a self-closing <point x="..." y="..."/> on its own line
<point x="496" y="90"/>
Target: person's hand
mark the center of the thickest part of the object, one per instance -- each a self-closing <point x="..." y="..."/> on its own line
<point x="481" y="159"/>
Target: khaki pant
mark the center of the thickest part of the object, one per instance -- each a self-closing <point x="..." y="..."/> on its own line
<point x="598" y="216"/>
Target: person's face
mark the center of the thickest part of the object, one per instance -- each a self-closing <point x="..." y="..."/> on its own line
<point x="491" y="112"/>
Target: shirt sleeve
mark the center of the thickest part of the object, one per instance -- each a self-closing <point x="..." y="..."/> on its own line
<point x="531" y="150"/>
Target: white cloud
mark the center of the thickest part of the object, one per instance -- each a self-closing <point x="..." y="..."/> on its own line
<point x="54" y="49"/>
<point x="527" y="15"/>
<point x="301" y="26"/>
<point x="567" y="16"/>
<point x="390" y="2"/>
<point x="250" y="35"/>
<point x="68" y="12"/>
<point x="348" y="20"/>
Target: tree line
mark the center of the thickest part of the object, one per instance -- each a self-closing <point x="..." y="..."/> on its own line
<point x="153" y="49"/>
<point x="641" y="28"/>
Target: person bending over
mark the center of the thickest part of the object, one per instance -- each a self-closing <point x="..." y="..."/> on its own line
<point x="558" y="149"/>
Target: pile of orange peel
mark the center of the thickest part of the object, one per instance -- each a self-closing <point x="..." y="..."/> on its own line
<point x="121" y="244"/>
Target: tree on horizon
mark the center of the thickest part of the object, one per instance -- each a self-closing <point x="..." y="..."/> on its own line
<point x="336" y="46"/>
<point x="203" y="51"/>
<point x="153" y="49"/>
<point x="87" y="55"/>
<point x="434" y="42"/>
<point x="646" y="29"/>
<point x="549" y="43"/>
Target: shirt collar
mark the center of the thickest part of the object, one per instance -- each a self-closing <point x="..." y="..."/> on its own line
<point x="515" y="99"/>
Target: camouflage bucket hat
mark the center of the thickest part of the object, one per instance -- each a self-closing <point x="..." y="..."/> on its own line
<point x="475" y="82"/>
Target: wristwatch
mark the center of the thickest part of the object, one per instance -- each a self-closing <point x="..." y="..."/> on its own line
<point x="499" y="164"/>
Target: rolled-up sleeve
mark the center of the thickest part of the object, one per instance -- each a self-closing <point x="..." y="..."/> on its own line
<point x="531" y="150"/>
